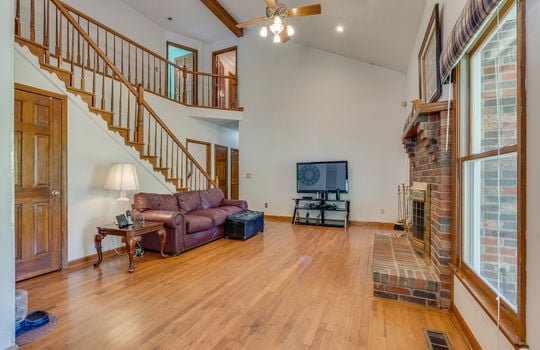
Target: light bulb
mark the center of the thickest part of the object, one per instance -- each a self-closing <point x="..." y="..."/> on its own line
<point x="277" y="21"/>
<point x="264" y="32"/>
<point x="290" y="30"/>
<point x="277" y="38"/>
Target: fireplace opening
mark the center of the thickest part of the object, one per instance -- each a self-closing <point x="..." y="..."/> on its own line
<point x="419" y="228"/>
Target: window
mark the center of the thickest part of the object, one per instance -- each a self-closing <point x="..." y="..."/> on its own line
<point x="490" y="186"/>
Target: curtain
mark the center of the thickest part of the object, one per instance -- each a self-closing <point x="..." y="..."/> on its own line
<point x="472" y="17"/>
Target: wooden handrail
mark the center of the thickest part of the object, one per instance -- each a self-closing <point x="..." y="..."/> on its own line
<point x="197" y="78"/>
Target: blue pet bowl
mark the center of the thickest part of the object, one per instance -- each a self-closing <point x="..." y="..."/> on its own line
<point x="33" y="320"/>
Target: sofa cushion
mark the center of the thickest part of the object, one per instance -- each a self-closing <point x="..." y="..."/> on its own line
<point x="196" y="223"/>
<point x="231" y="209"/>
<point x="188" y="201"/>
<point x="211" y="198"/>
<point x="217" y="215"/>
<point x="155" y="201"/>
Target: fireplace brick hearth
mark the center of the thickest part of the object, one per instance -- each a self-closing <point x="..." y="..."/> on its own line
<point x="424" y="138"/>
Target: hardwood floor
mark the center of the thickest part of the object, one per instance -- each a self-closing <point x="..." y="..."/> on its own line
<point x="292" y="287"/>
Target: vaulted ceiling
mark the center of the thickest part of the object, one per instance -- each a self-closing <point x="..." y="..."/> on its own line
<point x="381" y="32"/>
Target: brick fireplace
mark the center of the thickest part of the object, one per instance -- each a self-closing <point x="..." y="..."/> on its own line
<point x="411" y="276"/>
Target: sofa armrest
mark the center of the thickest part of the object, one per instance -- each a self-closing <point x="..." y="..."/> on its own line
<point x="235" y="202"/>
<point x="171" y="219"/>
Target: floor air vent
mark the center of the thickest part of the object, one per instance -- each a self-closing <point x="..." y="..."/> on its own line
<point x="437" y="340"/>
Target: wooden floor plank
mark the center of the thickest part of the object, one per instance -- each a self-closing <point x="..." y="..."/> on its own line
<point x="292" y="287"/>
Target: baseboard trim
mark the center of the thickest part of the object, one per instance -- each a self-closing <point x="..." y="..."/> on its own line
<point x="460" y="323"/>
<point x="90" y="259"/>
<point x="369" y="224"/>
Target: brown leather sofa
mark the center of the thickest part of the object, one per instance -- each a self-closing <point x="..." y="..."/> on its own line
<point x="192" y="218"/>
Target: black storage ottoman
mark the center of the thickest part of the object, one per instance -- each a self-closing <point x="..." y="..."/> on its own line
<point x="244" y="224"/>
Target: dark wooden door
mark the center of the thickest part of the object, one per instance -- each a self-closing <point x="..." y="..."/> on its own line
<point x="221" y="160"/>
<point x="235" y="169"/>
<point x="38" y="183"/>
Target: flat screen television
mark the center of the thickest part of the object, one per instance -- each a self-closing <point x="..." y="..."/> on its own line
<point x="312" y="177"/>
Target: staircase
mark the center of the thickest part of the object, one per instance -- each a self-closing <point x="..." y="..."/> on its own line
<point x="111" y="75"/>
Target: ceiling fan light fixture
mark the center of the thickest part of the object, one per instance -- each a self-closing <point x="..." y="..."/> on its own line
<point x="264" y="32"/>
<point x="290" y="30"/>
<point x="277" y="26"/>
<point x="277" y="39"/>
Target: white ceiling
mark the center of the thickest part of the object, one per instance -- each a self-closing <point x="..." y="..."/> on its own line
<point x="381" y="32"/>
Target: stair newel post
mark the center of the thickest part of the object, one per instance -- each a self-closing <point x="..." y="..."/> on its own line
<point x="184" y="93"/>
<point x="18" y="17"/>
<point x="140" y="112"/>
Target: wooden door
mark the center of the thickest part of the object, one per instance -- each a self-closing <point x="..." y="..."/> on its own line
<point x="235" y="169"/>
<point x="38" y="134"/>
<point x="221" y="160"/>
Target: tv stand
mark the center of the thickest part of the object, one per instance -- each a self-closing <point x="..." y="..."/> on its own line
<point x="314" y="212"/>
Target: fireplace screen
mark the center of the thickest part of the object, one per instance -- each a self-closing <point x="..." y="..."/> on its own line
<point x="419" y="228"/>
<point x="418" y="220"/>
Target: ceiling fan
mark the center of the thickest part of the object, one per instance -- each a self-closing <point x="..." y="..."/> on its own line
<point x="276" y="19"/>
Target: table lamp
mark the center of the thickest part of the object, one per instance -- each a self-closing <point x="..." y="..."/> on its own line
<point x="122" y="177"/>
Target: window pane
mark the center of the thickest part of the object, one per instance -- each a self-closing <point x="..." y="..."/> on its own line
<point x="494" y="88"/>
<point x="490" y="222"/>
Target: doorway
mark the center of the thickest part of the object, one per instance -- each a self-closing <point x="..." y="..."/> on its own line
<point x="181" y="56"/>
<point x="224" y="90"/>
<point x="202" y="153"/>
<point x="221" y="162"/>
<point x="39" y="177"/>
<point x="235" y="169"/>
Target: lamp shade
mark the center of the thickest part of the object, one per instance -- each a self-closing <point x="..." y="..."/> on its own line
<point x="122" y="177"/>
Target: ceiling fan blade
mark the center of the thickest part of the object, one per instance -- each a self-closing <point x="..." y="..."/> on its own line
<point x="250" y="22"/>
<point x="284" y="36"/>
<point x="304" y="11"/>
<point x="271" y="4"/>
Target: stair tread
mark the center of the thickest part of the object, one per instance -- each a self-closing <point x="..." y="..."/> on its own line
<point x="99" y="110"/>
<point x="134" y="143"/>
<point x="51" y="66"/>
<point x="149" y="157"/>
<point x="74" y="89"/>
<point x="117" y="127"/>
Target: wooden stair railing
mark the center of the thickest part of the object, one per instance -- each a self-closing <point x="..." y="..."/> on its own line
<point x="154" y="72"/>
<point x="88" y="72"/>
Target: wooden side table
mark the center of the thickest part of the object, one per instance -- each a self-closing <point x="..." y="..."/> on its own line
<point x="130" y="236"/>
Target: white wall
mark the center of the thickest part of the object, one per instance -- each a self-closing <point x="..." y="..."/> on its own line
<point x="7" y="241"/>
<point x="302" y="104"/>
<point x="479" y="323"/>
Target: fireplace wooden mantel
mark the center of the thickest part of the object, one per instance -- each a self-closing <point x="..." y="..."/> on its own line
<point x="419" y="113"/>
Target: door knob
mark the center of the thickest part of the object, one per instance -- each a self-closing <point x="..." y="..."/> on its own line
<point x="55" y="193"/>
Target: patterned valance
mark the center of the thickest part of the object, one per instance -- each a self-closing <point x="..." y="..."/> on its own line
<point x="471" y="19"/>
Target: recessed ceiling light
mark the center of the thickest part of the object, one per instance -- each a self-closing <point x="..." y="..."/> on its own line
<point x="340" y="29"/>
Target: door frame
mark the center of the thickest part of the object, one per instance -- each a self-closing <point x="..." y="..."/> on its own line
<point x="226" y="167"/>
<point x="208" y="164"/>
<point x="214" y="70"/>
<point x="231" y="171"/>
<point x="63" y="160"/>
<point x="195" y="67"/>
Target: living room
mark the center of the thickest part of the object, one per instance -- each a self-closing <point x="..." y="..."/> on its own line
<point x="347" y="110"/>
